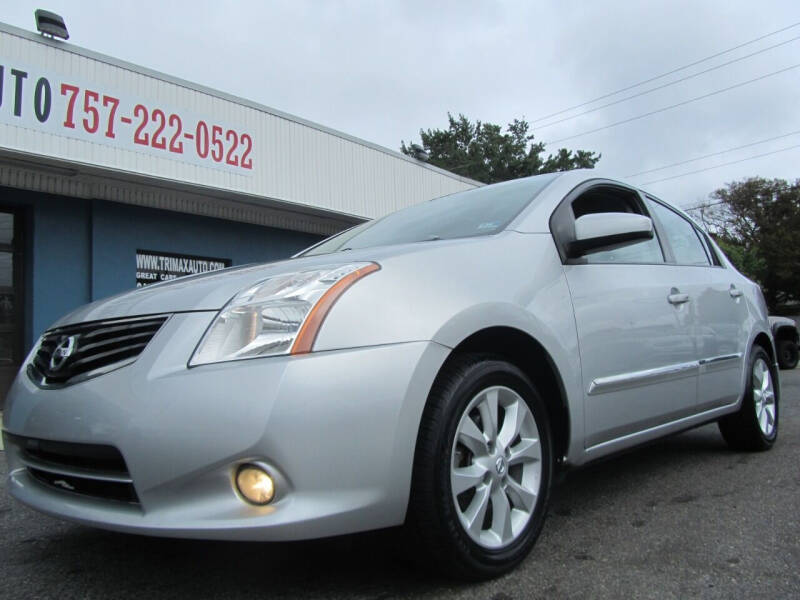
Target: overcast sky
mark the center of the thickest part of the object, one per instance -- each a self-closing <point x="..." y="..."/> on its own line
<point x="383" y="70"/>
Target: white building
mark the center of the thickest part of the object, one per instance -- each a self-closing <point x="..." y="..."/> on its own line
<point x="110" y="171"/>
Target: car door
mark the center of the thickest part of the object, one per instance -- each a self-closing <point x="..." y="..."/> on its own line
<point x="721" y="324"/>
<point x="723" y="320"/>
<point x="721" y="328"/>
<point x="634" y="322"/>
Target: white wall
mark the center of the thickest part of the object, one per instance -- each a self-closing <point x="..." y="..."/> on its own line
<point x="296" y="163"/>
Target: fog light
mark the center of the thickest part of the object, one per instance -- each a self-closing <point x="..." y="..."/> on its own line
<point x="254" y="484"/>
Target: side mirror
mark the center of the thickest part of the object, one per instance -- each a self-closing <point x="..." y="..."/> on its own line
<point x="604" y="231"/>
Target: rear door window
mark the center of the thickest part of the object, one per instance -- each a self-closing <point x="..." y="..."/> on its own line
<point x="682" y="235"/>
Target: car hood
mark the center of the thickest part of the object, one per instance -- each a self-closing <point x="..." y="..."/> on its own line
<point x="211" y="291"/>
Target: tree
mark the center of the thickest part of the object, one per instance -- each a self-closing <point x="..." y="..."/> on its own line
<point x="757" y="224"/>
<point x="483" y="152"/>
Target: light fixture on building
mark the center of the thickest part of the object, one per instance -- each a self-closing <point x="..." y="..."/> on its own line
<point x="50" y="24"/>
<point x="419" y="153"/>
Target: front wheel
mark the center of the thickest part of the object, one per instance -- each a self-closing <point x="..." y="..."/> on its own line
<point x="482" y="469"/>
<point x="754" y="426"/>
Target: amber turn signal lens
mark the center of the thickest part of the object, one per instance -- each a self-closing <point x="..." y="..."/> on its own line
<point x="308" y="332"/>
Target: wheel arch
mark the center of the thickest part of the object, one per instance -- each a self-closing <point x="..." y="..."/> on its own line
<point x="530" y="356"/>
<point x="786" y="332"/>
<point x="763" y="340"/>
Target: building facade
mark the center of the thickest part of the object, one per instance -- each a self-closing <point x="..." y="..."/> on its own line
<point x="113" y="176"/>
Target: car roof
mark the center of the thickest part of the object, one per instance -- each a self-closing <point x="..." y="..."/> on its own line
<point x="535" y="218"/>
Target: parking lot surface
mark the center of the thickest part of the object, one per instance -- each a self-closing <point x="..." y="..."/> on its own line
<point x="685" y="517"/>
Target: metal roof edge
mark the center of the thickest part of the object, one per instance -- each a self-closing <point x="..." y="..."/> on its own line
<point x="28" y="160"/>
<point x="67" y="47"/>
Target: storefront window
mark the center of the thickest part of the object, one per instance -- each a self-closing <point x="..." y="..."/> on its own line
<point x="10" y="315"/>
<point x="6" y="228"/>
<point x="6" y="269"/>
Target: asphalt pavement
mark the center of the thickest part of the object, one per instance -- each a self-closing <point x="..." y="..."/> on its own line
<point x="683" y="518"/>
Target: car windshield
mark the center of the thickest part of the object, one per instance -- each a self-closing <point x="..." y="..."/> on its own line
<point x="480" y="211"/>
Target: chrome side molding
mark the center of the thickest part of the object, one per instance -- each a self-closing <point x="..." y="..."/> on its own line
<point x="613" y="383"/>
<point x="718" y="359"/>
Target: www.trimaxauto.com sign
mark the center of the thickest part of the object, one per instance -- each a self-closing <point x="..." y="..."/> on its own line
<point x="36" y="99"/>
<point x="153" y="267"/>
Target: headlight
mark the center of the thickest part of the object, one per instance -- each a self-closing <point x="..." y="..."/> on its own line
<point x="280" y="315"/>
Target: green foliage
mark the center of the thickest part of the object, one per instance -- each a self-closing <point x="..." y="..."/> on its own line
<point x="757" y="224"/>
<point x="746" y="261"/>
<point x="482" y="151"/>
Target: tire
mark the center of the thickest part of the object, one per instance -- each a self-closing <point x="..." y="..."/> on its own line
<point x="787" y="354"/>
<point x="487" y="476"/>
<point x="754" y="427"/>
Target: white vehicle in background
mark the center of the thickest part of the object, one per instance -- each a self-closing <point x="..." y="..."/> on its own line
<point x="786" y="341"/>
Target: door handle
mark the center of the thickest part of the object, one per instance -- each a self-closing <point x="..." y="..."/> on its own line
<point x="677" y="298"/>
<point x="734" y="291"/>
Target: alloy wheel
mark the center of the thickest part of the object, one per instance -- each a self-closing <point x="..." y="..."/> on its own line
<point x="496" y="467"/>
<point x="764" y="397"/>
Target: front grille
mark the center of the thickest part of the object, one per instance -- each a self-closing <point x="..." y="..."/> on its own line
<point x="97" y="488"/>
<point x="95" y="457"/>
<point x="73" y="353"/>
<point x="88" y="469"/>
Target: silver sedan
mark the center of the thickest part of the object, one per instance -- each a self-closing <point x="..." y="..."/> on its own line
<point x="434" y="369"/>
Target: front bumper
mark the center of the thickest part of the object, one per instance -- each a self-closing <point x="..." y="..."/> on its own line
<point x="337" y="430"/>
